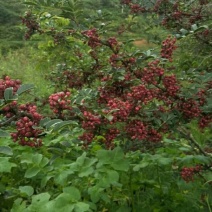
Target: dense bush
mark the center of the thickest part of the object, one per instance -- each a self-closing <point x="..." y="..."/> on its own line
<point x="126" y="129"/>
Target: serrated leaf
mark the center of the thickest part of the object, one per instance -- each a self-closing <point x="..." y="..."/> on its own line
<point x="6" y="150"/>
<point x="24" y="88"/>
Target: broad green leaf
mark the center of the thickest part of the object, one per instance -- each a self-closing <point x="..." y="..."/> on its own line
<point x="41" y="198"/>
<point x="24" y="88"/>
<point x="80" y="160"/>
<point x="36" y="159"/>
<point x="29" y="190"/>
<point x="95" y="193"/>
<point x="6" y="150"/>
<point x="4" y="134"/>
<point x="73" y="192"/>
<point x="81" y="207"/>
<point x="113" y="176"/>
<point x="32" y="172"/>
<point x="19" y="205"/>
<point x="5" y="165"/>
<point x="85" y="171"/>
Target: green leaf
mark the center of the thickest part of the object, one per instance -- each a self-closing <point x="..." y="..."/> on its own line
<point x="31" y="172"/>
<point x="80" y="160"/>
<point x="18" y="206"/>
<point x="36" y="159"/>
<point x="28" y="190"/>
<point x="74" y="193"/>
<point x="85" y="171"/>
<point x="4" y="134"/>
<point x="81" y="207"/>
<point x="8" y="94"/>
<point x="24" y="88"/>
<point x="6" y="150"/>
<point x="5" y="165"/>
<point x="51" y="123"/>
<point x="41" y="198"/>
<point x="58" y="126"/>
<point x="113" y="176"/>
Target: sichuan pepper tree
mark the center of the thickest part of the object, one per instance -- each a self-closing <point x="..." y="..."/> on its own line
<point x="116" y="93"/>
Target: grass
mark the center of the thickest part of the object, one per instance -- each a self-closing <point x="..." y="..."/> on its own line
<point x="22" y="64"/>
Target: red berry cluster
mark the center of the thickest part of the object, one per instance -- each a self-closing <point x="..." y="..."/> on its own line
<point x="187" y="173"/>
<point x="152" y="72"/>
<point x="27" y="134"/>
<point x="93" y="37"/>
<point x="10" y="109"/>
<point x="90" y="121"/>
<point x="119" y="109"/>
<point x="31" y="24"/>
<point x="7" y="82"/>
<point x="168" y="47"/>
<point x="171" y="85"/>
<point x="189" y="108"/>
<point x="136" y="8"/>
<point x="113" y="43"/>
<point x="140" y="93"/>
<point x="153" y="136"/>
<point x="59" y="102"/>
<point x="87" y="137"/>
<point x="136" y="130"/>
<point x="205" y="121"/>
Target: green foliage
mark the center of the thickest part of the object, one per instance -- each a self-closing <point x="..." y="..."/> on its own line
<point x="67" y="173"/>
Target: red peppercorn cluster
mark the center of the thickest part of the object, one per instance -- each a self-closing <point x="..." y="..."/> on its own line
<point x="136" y="130"/>
<point x="153" y="136"/>
<point x="7" y="82"/>
<point x="136" y="8"/>
<point x="189" y="108"/>
<point x="119" y="109"/>
<point x="187" y="173"/>
<point x="111" y="135"/>
<point x="59" y="102"/>
<point x="31" y="24"/>
<point x="87" y="137"/>
<point x="151" y="73"/>
<point x="90" y="121"/>
<point x="27" y="134"/>
<point x="140" y="93"/>
<point x="10" y="109"/>
<point x="112" y="41"/>
<point x="205" y="121"/>
<point x="168" y="47"/>
<point x="171" y="85"/>
<point x="93" y="37"/>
